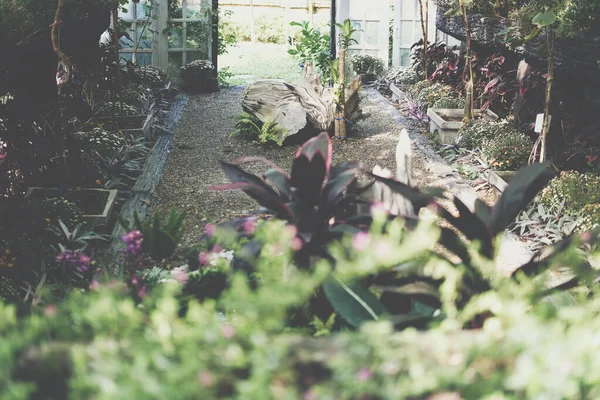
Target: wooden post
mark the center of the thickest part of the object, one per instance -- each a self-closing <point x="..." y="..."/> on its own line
<point x="215" y="34"/>
<point x="252" y="25"/>
<point x="546" y="126"/>
<point x="332" y="22"/>
<point x="340" y="118"/>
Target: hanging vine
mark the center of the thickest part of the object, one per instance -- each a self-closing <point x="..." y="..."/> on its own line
<point x="64" y="68"/>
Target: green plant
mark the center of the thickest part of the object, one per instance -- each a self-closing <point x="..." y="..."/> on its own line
<point x="160" y="239"/>
<point x="475" y="132"/>
<point x="366" y="64"/>
<point x="580" y="195"/>
<point x="347" y="31"/>
<point x="402" y="76"/>
<point x="224" y="75"/>
<point x="416" y="89"/>
<point x="544" y="226"/>
<point x="431" y="94"/>
<point x="508" y="151"/>
<point x="313" y="46"/>
<point x="449" y="102"/>
<point x="119" y="106"/>
<point x="200" y="76"/>
<point x="251" y="126"/>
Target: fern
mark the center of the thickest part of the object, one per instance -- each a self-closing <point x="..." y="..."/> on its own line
<point x="250" y="126"/>
<point x="160" y="241"/>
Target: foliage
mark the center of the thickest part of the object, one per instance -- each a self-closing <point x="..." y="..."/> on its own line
<point x="117" y="108"/>
<point x="309" y="199"/>
<point x="226" y="38"/>
<point x="430" y="95"/>
<point x="347" y="31"/>
<point x="580" y="195"/>
<point x="149" y="74"/>
<point x="249" y="125"/>
<point x="401" y="76"/>
<point x="508" y="151"/>
<point x="443" y="62"/>
<point x="160" y="239"/>
<point x="224" y="74"/>
<point x="479" y="130"/>
<point x="416" y="89"/>
<point x="450" y="102"/>
<point x="313" y="46"/>
<point x="200" y="76"/>
<point x="137" y="96"/>
<point x="496" y="85"/>
<point x="366" y="64"/>
<point x="543" y="226"/>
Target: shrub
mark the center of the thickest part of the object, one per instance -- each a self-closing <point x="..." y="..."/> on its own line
<point x="120" y="108"/>
<point x="250" y="126"/>
<point x="418" y="87"/>
<point x="580" y="195"/>
<point x="450" y="102"/>
<point x="403" y="76"/>
<point x="474" y="133"/>
<point x="313" y="46"/>
<point x="160" y="239"/>
<point x="200" y="76"/>
<point x="508" y="151"/>
<point x="364" y="64"/>
<point x="430" y="95"/>
<point x="149" y="74"/>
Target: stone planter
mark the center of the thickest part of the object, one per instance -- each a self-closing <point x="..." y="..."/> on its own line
<point x="447" y="121"/>
<point x="367" y="79"/>
<point x="96" y="204"/>
<point x="500" y="179"/>
<point x="399" y="91"/>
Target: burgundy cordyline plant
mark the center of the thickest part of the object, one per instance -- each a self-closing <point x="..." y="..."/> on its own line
<point x="75" y="259"/>
<point x="133" y="240"/>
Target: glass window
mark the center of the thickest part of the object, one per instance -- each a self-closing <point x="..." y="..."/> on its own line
<point x="175" y="34"/>
<point x="194" y="9"/>
<point x="175" y="62"/>
<point x="372" y="33"/>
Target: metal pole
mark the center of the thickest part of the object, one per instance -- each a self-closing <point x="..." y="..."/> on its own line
<point x="333" y="52"/>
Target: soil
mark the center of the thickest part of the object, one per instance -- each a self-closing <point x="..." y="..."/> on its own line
<point x="91" y="202"/>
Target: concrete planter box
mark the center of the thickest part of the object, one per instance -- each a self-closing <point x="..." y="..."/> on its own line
<point x="97" y="204"/>
<point x="500" y="179"/>
<point x="447" y="121"/>
<point x="399" y="91"/>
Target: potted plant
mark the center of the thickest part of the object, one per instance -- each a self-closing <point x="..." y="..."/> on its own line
<point x="368" y="67"/>
<point x="506" y="153"/>
<point x="200" y="76"/>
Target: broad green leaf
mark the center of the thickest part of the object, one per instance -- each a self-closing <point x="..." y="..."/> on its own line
<point x="544" y="18"/>
<point x="355" y="303"/>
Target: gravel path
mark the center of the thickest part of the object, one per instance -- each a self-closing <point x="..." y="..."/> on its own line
<point x="202" y="138"/>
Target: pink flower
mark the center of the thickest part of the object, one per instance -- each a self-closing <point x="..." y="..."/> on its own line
<point x="296" y="244"/>
<point x="217" y="249"/>
<point x="249" y="226"/>
<point x="50" y="310"/>
<point x="228" y="331"/>
<point x="361" y="241"/>
<point x="94" y="285"/>
<point x="364" y="374"/>
<point x="210" y="229"/>
<point x="290" y="230"/>
<point x="203" y="258"/>
<point x="378" y="209"/>
<point x="181" y="277"/>
<point x="205" y="378"/>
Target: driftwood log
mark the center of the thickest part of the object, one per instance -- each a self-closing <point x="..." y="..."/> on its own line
<point x="294" y="107"/>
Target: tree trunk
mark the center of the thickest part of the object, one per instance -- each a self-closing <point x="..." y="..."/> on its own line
<point x="294" y="107"/>
<point x="424" y="28"/>
<point x="470" y="85"/>
<point x="546" y="126"/>
<point x="252" y="25"/>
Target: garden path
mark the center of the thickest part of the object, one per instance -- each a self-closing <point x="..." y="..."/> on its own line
<point x="203" y="137"/>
